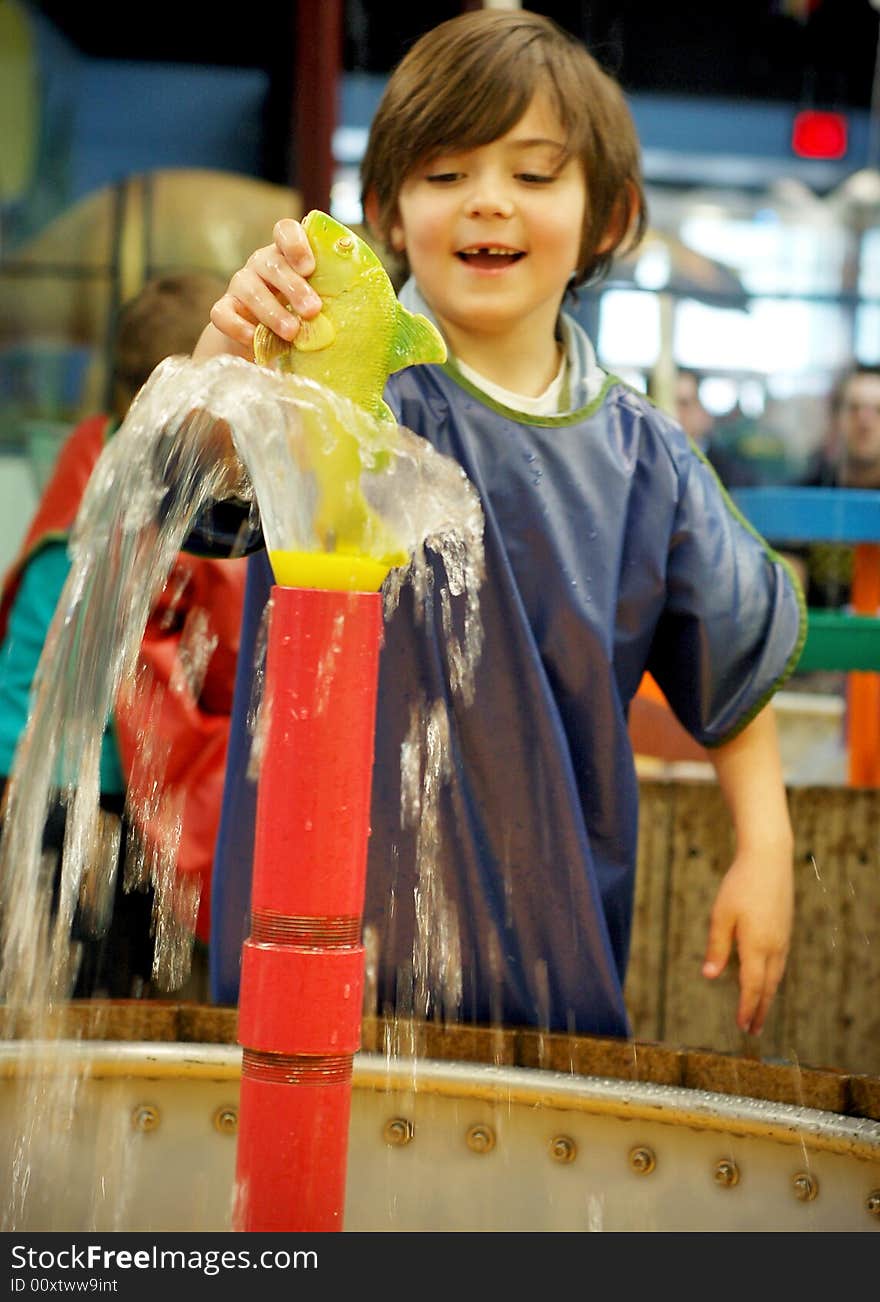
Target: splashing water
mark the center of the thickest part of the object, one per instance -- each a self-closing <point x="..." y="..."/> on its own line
<point x="121" y="553"/>
<point x="162" y="468"/>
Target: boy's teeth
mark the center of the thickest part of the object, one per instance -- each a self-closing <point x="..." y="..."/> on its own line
<point x="481" y="256"/>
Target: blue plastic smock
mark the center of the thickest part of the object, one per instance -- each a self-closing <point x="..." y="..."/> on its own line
<point x="611" y="549"/>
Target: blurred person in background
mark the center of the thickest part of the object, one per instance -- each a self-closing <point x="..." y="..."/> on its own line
<point x="164" y="319"/>
<point x="699" y="425"/>
<point x="849" y="458"/>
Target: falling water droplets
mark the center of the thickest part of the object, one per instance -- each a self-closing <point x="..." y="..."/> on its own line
<point x="425" y="767"/>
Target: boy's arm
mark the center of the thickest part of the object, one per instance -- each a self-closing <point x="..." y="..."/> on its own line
<point x="755" y="901"/>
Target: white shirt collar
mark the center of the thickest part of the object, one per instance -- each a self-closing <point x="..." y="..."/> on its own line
<point x="585" y="376"/>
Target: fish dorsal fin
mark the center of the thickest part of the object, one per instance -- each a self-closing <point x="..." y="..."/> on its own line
<point x="415" y="341"/>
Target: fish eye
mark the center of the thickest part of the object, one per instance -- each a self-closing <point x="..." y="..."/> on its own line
<point x="344" y="244"/>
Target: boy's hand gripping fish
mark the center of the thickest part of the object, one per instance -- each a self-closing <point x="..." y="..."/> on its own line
<point x="361" y="336"/>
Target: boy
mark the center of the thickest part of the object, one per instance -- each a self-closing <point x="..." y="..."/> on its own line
<point x="503" y="165"/>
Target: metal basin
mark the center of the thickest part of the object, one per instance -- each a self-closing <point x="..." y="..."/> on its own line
<point x="140" y="1135"/>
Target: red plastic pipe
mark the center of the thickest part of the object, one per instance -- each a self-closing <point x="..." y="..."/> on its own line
<point x="302" y="974"/>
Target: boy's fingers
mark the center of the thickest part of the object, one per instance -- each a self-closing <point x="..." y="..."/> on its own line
<point x="273" y="268"/>
<point x="265" y="287"/>
<point x="291" y="240"/>
<point x="754" y="1024"/>
<point x="761" y="995"/>
<point x="270" y="289"/>
<point x="232" y="320"/>
<point x="751" y="993"/>
<point x="718" y="946"/>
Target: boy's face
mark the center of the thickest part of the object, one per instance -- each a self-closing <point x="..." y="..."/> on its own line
<point x="492" y="234"/>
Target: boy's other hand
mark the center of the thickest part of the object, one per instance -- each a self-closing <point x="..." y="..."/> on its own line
<point x="754" y="907"/>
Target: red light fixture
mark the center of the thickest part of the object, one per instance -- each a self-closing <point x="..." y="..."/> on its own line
<point x="820" y="135"/>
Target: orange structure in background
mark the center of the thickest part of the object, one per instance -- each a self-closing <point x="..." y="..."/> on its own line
<point x="655" y="731"/>
<point x="863" y="688"/>
<point x="849" y="640"/>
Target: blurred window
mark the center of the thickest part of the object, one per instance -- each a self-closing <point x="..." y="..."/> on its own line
<point x="629" y="328"/>
<point x="772" y="256"/>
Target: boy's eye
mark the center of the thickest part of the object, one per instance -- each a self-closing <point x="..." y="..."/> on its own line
<point x="532" y="178"/>
<point x="442" y="177"/>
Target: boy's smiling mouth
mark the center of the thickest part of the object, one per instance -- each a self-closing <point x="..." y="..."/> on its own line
<point x="489" y="257"/>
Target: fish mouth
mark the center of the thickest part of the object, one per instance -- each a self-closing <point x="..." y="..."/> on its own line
<point x="489" y="257"/>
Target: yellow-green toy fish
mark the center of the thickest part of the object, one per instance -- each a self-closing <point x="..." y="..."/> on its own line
<point x="362" y="333"/>
<point x="361" y="336"/>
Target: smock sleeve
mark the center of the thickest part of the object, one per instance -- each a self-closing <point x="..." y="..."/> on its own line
<point x="734" y="621"/>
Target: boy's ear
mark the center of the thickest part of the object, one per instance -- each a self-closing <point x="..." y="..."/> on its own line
<point x="394" y="237"/>
<point x="621" y="220"/>
<point x="371" y="211"/>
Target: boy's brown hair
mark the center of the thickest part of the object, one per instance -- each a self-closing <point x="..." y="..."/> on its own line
<point x="466" y="82"/>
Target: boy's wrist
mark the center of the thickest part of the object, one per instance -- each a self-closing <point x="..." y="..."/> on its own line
<point x="778" y="841"/>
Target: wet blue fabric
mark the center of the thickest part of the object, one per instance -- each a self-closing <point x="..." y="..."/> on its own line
<point x="611" y="549"/>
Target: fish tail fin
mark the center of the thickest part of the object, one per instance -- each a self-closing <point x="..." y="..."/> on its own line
<point x="416" y="341"/>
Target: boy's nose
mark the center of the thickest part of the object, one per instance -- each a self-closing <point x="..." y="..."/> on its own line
<point x="489" y="201"/>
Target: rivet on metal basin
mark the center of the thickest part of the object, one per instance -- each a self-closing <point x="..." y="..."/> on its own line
<point x="480" y="1139"/>
<point x="872" y="1202"/>
<point x="726" y="1173"/>
<point x="563" y="1149"/>
<point x="398" y="1131"/>
<point x="805" y="1186"/>
<point x="145" y="1117"/>
<point x="642" y="1160"/>
<point x="226" y="1120"/>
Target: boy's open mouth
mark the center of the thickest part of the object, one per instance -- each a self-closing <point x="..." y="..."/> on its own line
<point x="489" y="258"/>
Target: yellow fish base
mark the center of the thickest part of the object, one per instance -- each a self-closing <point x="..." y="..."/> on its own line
<point x="332" y="571"/>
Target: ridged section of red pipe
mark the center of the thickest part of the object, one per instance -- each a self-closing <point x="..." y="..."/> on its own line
<point x="303" y="964"/>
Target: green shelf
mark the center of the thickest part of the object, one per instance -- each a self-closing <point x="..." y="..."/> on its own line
<point x="838" y="641"/>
